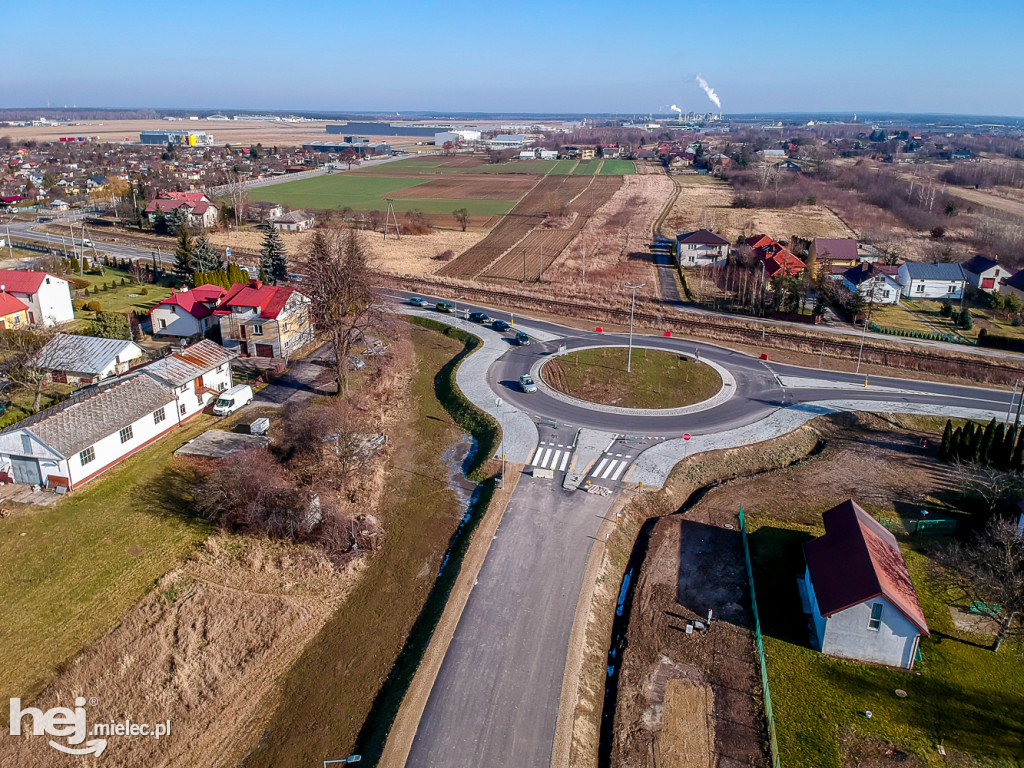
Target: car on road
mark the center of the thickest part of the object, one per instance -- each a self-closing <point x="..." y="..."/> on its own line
<point x="87" y="243"/>
<point x="478" y="317"/>
<point x="527" y="383"/>
<point x="522" y="339"/>
<point x="500" y="325"/>
<point x="416" y="301"/>
<point x="445" y="306"/>
<point x="230" y="400"/>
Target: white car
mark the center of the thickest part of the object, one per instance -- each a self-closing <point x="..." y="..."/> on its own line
<point x="416" y="301"/>
<point x="231" y="400"/>
<point x="527" y="383"/>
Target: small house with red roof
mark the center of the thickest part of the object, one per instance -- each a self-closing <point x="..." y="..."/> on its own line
<point x="858" y="591"/>
<point x="264" y="320"/>
<point x="776" y="258"/>
<point x="187" y="313"/>
<point x="13" y="312"/>
<point x="196" y="206"/>
<point x="47" y="298"/>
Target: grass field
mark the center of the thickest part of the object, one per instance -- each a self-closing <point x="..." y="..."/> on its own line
<point x="69" y="573"/>
<point x="122" y="298"/>
<point x="564" y="167"/>
<point x="658" y="379"/>
<point x="960" y="693"/>
<point x="618" y="168"/>
<point x="368" y="193"/>
<point x="588" y="167"/>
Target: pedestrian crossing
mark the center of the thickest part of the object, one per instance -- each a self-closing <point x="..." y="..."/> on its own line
<point x="552" y="456"/>
<point x="611" y="466"/>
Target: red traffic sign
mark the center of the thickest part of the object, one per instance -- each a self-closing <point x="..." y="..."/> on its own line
<point x="599" y="329"/>
<point x="686" y="436"/>
<point x="668" y="334"/>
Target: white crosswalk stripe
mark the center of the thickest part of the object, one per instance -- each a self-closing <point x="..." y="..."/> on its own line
<point x="565" y="461"/>
<point x="611" y="465"/>
<point x="543" y="462"/>
<point x="554" y="460"/>
<point x="597" y="472"/>
<point x="622" y="466"/>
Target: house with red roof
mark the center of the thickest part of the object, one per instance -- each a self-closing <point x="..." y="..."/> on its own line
<point x="264" y="320"/>
<point x="198" y="208"/>
<point x="47" y="298"/>
<point x="187" y="313"/>
<point x="858" y="591"/>
<point x="776" y="258"/>
<point x="13" y="311"/>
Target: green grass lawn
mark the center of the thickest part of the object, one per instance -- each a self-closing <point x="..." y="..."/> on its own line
<point x="965" y="695"/>
<point x="657" y="379"/>
<point x="564" y="167"/>
<point x="121" y="298"/>
<point x="896" y="316"/>
<point x="69" y="573"/>
<point x="618" y="168"/>
<point x="368" y="193"/>
<point x="588" y="167"/>
<point x="984" y="317"/>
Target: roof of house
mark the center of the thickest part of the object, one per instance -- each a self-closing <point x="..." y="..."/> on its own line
<point x="195" y="301"/>
<point x="193" y="361"/>
<point x="759" y="241"/>
<point x="22" y="280"/>
<point x="83" y="354"/>
<point x="835" y="248"/>
<point x="270" y="299"/>
<point x="783" y="261"/>
<point x="867" y="270"/>
<point x="192" y="197"/>
<point x="9" y="304"/>
<point x="858" y="560"/>
<point x="1016" y="280"/>
<point x="294" y="217"/>
<point x="978" y="264"/>
<point x="701" y="236"/>
<point x="920" y="270"/>
<point x="93" y="413"/>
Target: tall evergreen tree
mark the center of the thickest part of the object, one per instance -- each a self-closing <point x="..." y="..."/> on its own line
<point x="974" y="446"/>
<point x="956" y="444"/>
<point x="207" y="259"/>
<point x="985" y="452"/>
<point x="947" y="438"/>
<point x="176" y="219"/>
<point x="160" y="223"/>
<point x="1017" y="461"/>
<point x="237" y="275"/>
<point x="998" y="439"/>
<point x="274" y="256"/>
<point x="184" y="255"/>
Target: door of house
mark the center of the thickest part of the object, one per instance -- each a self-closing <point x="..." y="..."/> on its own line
<point x="241" y="331"/>
<point x="264" y="350"/>
<point x="26" y="470"/>
<point x="988" y="283"/>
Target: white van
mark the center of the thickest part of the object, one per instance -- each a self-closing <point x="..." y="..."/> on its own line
<point x="231" y="400"/>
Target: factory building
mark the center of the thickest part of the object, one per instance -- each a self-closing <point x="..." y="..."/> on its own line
<point x="181" y="138"/>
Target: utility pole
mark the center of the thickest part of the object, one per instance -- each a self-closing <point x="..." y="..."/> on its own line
<point x="541" y="278"/>
<point x="1012" y="397"/>
<point x="498" y="403"/>
<point x="632" y="306"/>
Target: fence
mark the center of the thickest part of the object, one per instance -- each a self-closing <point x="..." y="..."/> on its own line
<point x="773" y="742"/>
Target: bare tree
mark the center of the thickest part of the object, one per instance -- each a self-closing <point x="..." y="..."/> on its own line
<point x="349" y="156"/>
<point x="462" y="216"/>
<point x="339" y="283"/>
<point x="990" y="484"/>
<point x="989" y="571"/>
<point x="24" y="366"/>
<point x="138" y="272"/>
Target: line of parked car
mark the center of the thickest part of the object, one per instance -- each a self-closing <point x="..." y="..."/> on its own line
<point x="476" y="317"/>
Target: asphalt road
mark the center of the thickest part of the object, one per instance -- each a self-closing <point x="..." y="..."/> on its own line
<point x="495" y="700"/>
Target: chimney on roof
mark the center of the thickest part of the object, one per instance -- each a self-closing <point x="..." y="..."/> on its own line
<point x="255" y="284"/>
<point x="184" y="289"/>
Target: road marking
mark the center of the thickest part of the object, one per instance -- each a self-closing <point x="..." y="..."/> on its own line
<point x="618" y="471"/>
<point x="597" y="472"/>
<point x="554" y="460"/>
<point x="611" y="465"/>
<point x="565" y="461"/>
<point x="544" y="462"/>
<point x="625" y="478"/>
<point x="533" y="455"/>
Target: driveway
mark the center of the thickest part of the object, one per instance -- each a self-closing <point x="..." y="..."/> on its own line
<point x="296" y="384"/>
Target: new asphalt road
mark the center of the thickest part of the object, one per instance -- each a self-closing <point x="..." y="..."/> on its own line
<point x="496" y="697"/>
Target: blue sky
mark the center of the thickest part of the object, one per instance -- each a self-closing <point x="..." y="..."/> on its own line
<point x="912" y="56"/>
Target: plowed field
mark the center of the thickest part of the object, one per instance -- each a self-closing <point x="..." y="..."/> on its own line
<point x="500" y="254"/>
<point x="471" y="187"/>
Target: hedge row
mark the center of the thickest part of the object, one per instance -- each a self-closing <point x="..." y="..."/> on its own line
<point x="996" y="341"/>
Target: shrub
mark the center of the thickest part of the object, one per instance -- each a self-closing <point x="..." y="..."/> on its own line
<point x="445" y="255"/>
<point x="1016" y="322"/>
<point x="79" y="304"/>
<point x="94" y="306"/>
<point x="95" y="290"/>
<point x="946" y="310"/>
<point x="144" y="292"/>
<point x="78" y="283"/>
<point x="124" y="281"/>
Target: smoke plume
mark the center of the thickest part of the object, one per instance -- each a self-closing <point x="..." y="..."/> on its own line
<point x="710" y="92"/>
<point x="674" y="108"/>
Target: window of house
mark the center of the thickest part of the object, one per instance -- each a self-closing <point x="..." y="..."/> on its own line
<point x="47" y="281"/>
<point x="920" y="287"/>
<point x="160" y="415"/>
<point x="183" y="388"/>
<point x="182" y="410"/>
<point x="257" y="330"/>
<point x="87" y="455"/>
<point x="285" y="326"/>
<point x="126" y="434"/>
<point x="876" y="616"/>
<point x="163" y="323"/>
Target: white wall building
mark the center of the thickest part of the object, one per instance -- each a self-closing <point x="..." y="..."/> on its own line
<point x="927" y="280"/>
<point x="83" y="360"/>
<point x="195" y="375"/>
<point x="47" y="296"/>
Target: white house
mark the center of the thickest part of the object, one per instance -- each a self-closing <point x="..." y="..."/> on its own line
<point x="875" y="282"/>
<point x="71" y="442"/>
<point x="858" y="591"/>
<point x="931" y="280"/>
<point x="188" y="313"/>
<point x="695" y="249"/>
<point x="47" y="296"/>
<point x="86" y="360"/>
<point x="985" y="274"/>
<point x="296" y="221"/>
<point x="195" y="375"/>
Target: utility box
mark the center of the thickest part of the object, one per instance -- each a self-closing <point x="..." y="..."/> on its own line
<point x="260" y="427"/>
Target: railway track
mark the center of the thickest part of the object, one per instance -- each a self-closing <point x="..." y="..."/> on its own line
<point x="664" y="318"/>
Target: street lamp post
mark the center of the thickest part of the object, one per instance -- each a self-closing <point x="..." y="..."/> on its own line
<point x="455" y="305"/>
<point x="632" y="306"/>
<point x="498" y="402"/>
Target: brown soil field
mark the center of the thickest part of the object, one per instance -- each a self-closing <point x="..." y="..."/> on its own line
<point x="707" y="202"/>
<point x="472" y="187"/>
<point x="411" y="255"/>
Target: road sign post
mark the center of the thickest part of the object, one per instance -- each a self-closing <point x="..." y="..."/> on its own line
<point x="686" y="443"/>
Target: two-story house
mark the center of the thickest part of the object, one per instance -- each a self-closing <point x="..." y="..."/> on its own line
<point x="46" y="297"/>
<point x="265" y="320"/>
<point x="695" y="249"/>
<point x="195" y="375"/>
<point x="188" y="313"/>
<point x="985" y="274"/>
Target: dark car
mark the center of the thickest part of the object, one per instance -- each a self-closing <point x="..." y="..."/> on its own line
<point x="522" y="339"/>
<point x="445" y="306"/>
<point x="478" y="317"/>
<point x="500" y="325"/>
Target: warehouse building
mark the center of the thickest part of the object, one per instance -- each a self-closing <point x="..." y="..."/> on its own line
<point x="182" y="138"/>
